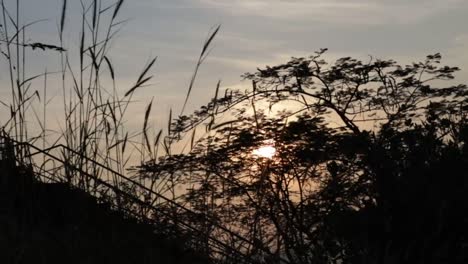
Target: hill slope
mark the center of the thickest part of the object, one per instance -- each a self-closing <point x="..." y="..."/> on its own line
<point x="51" y="223"/>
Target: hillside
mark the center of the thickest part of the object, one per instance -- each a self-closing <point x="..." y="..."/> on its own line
<point x="52" y="223"/>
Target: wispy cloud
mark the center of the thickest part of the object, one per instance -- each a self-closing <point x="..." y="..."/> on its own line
<point x="342" y="12"/>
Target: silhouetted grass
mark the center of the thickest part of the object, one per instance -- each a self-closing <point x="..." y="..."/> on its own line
<point x="92" y="150"/>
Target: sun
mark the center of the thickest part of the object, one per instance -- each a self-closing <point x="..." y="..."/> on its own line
<point x="267" y="151"/>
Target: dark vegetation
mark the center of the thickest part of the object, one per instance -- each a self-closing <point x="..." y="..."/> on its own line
<point x="370" y="166"/>
<point x="51" y="223"/>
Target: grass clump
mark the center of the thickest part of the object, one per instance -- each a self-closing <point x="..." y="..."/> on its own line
<point x="91" y="148"/>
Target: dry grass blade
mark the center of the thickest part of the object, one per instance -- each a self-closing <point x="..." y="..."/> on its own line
<point x="169" y="122"/>
<point x="255" y="114"/>
<point x="192" y="139"/>
<point x="82" y="40"/>
<point x="208" y="41"/>
<point x="158" y="137"/>
<point x="94" y="59"/>
<point x="115" y="144"/>
<point x="30" y="79"/>
<point x="215" y="99"/>
<point x="137" y="85"/>
<point x="75" y="83"/>
<point x="117" y="8"/>
<point x="124" y="142"/>
<point x="105" y="9"/>
<point x="145" y="125"/>
<point x="15" y="25"/>
<point x="37" y="95"/>
<point x="112" y="112"/>
<point x="167" y="148"/>
<point x="146" y="69"/>
<point x="117" y="24"/>
<point x="62" y="17"/>
<point x="214" y="110"/>
<point x="141" y="79"/>
<point x="95" y="8"/>
<point x="111" y="69"/>
<point x="3" y="103"/>
<point x="199" y="62"/>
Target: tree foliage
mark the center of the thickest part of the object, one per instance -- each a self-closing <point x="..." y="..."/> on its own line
<point x="370" y="164"/>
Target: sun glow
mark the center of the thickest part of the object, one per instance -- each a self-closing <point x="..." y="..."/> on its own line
<point x="265" y="152"/>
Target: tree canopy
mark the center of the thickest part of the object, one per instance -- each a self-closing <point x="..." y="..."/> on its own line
<point x="370" y="165"/>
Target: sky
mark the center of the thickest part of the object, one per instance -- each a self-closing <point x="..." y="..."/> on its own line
<point x="254" y="33"/>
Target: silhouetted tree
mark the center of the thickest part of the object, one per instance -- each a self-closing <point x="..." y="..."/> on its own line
<point x="370" y="164"/>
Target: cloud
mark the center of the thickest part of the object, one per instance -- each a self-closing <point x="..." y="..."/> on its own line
<point x="344" y="12"/>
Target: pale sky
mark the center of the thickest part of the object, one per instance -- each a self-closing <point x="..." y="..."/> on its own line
<point x="255" y="33"/>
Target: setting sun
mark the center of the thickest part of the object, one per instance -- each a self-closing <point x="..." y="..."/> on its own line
<point x="265" y="152"/>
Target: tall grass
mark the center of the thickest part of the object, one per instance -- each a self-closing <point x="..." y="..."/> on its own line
<point x="93" y="115"/>
<point x="93" y="144"/>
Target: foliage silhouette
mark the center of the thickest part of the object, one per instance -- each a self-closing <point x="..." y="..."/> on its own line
<point x="370" y="164"/>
